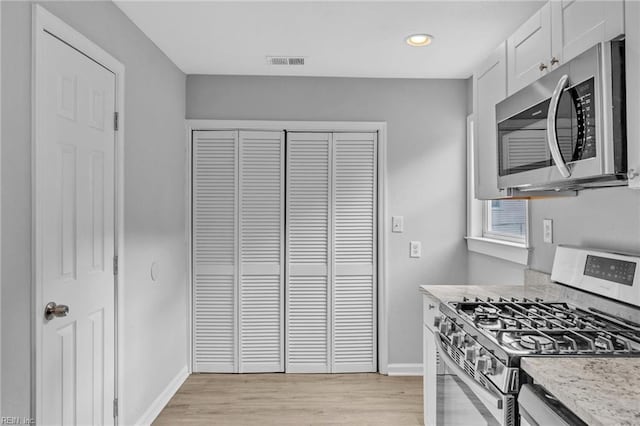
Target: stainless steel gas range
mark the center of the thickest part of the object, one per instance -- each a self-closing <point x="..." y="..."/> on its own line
<point x="479" y="341"/>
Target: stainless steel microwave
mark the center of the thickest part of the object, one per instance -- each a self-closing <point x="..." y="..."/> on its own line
<point x="567" y="130"/>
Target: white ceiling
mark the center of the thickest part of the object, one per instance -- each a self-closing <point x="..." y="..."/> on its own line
<point x="337" y="38"/>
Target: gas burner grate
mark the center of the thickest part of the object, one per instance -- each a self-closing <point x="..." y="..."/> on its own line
<point x="534" y="326"/>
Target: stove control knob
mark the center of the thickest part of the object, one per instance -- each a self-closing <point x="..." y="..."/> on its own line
<point x="445" y="327"/>
<point x="436" y="322"/>
<point x="491" y="366"/>
<point x="457" y="339"/>
<point x="470" y="353"/>
<point x="481" y="364"/>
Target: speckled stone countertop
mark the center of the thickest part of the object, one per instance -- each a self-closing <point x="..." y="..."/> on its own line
<point x="446" y="293"/>
<point x="601" y="391"/>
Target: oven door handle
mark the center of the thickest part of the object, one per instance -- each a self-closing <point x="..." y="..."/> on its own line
<point x="479" y="390"/>
<point x="552" y="134"/>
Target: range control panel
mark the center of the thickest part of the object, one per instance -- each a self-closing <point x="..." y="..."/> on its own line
<point x="619" y="271"/>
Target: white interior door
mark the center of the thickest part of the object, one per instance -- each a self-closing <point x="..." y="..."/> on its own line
<point x="75" y="223"/>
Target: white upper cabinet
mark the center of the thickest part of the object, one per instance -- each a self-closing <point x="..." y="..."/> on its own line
<point x="490" y="87"/>
<point x="579" y="24"/>
<point x="558" y="32"/>
<point x="529" y="50"/>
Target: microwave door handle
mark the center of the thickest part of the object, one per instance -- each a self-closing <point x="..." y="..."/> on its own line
<point x="475" y="387"/>
<point x="552" y="135"/>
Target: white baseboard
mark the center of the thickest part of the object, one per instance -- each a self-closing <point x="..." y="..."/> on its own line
<point x="404" y="370"/>
<point x="163" y="399"/>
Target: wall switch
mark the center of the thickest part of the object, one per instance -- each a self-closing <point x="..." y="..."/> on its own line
<point x="547" y="229"/>
<point x="397" y="224"/>
<point x="415" y="249"/>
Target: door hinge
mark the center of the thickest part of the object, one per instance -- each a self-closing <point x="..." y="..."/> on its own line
<point x="115" y="121"/>
<point x="115" y="265"/>
<point x="115" y="407"/>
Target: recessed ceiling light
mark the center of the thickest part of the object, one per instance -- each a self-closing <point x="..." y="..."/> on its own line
<point x="419" y="40"/>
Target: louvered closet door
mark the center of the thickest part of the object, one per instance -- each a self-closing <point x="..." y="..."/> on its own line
<point x="354" y="257"/>
<point x="214" y="250"/>
<point x="261" y="238"/>
<point x="308" y="258"/>
<point x="331" y="252"/>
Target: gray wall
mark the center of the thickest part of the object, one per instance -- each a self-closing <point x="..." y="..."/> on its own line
<point x="606" y="218"/>
<point x="426" y="167"/>
<point x="155" y="345"/>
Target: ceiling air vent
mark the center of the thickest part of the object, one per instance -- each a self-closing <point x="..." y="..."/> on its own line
<point x="285" y="60"/>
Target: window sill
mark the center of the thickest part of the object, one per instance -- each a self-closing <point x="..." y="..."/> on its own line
<point x="506" y="250"/>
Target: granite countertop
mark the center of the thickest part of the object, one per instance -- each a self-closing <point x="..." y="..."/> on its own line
<point x="446" y="293"/>
<point x="601" y="391"/>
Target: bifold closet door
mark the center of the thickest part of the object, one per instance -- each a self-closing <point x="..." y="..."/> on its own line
<point x="238" y="251"/>
<point x="331" y="252"/>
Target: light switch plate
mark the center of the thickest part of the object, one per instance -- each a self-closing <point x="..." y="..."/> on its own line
<point x="415" y="249"/>
<point x="397" y="224"/>
<point x="547" y="230"/>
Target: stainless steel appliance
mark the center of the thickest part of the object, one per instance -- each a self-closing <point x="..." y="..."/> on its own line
<point x="482" y="341"/>
<point x="567" y="130"/>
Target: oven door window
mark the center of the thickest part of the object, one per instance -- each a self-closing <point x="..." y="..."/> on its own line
<point x="522" y="138"/>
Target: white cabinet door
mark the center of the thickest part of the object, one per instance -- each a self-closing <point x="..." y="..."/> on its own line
<point x="632" y="47"/>
<point x="261" y="251"/>
<point x="354" y="257"/>
<point x="490" y="87"/>
<point x="309" y="205"/>
<point x="578" y="25"/>
<point x="430" y="377"/>
<point x="529" y="50"/>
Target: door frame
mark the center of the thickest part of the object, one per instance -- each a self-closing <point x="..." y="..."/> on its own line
<point x="302" y="126"/>
<point x="43" y="22"/>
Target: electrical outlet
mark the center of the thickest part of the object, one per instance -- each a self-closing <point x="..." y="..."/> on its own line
<point x="547" y="230"/>
<point x="397" y="224"/>
<point x="415" y="249"/>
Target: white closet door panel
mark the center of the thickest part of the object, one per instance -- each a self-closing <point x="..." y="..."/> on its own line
<point x="353" y="324"/>
<point x="307" y="331"/>
<point x="214" y="323"/>
<point x="261" y="232"/>
<point x="309" y="201"/>
<point x="354" y="278"/>
<point x="214" y="250"/>
<point x="214" y="175"/>
<point x="308" y="197"/>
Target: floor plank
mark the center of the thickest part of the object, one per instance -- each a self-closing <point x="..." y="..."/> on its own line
<point x="295" y="399"/>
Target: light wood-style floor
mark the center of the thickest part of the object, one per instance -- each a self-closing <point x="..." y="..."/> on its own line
<point x="295" y="399"/>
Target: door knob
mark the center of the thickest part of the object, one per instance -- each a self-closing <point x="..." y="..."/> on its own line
<point x="542" y="67"/>
<point x="554" y="60"/>
<point x="52" y="310"/>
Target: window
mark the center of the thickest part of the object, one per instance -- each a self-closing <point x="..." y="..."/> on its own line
<point x="505" y="220"/>
<point x="497" y="228"/>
